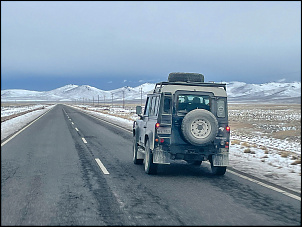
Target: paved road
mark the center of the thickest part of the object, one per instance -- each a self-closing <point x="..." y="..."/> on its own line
<point x="51" y="176"/>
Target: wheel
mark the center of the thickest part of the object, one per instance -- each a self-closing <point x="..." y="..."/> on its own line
<point x="150" y="167"/>
<point x="135" y="150"/>
<point x="217" y="170"/>
<point x="185" y="77"/>
<point x="199" y="127"/>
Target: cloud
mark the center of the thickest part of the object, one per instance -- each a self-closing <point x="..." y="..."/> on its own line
<point x="247" y="41"/>
<point x="281" y="80"/>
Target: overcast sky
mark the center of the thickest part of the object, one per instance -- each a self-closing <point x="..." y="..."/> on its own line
<point x="109" y="44"/>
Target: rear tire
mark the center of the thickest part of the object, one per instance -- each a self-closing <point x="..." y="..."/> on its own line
<point x="150" y="167"/>
<point x="217" y="170"/>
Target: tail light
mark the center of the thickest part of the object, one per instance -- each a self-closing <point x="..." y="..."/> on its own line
<point x="159" y="140"/>
<point x="226" y="144"/>
<point x="228" y="128"/>
<point x="157" y="125"/>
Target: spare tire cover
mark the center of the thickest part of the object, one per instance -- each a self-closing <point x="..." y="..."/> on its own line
<point x="199" y="127"/>
<point x="185" y="77"/>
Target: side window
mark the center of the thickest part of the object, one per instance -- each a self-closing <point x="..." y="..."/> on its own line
<point x="220" y="108"/>
<point x="167" y="105"/>
<point x="152" y="106"/>
<point x="146" y="113"/>
<point x="156" y="106"/>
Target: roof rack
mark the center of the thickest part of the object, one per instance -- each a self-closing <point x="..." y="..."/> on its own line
<point x="160" y="84"/>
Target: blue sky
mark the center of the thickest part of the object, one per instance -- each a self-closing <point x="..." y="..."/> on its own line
<point x="109" y="44"/>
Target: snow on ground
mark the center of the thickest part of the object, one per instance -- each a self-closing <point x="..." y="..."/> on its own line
<point x="13" y="125"/>
<point x="258" y="160"/>
<point x="10" y="110"/>
<point x="271" y="167"/>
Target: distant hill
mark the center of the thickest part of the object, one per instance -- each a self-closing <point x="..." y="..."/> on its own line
<point x="273" y="92"/>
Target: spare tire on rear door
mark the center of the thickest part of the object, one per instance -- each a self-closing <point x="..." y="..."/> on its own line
<point x="199" y="127"/>
<point x="185" y="77"/>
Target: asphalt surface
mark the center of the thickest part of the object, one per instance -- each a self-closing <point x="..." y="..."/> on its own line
<point x="50" y="175"/>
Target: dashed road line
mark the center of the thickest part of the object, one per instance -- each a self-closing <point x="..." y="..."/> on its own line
<point x="84" y="140"/>
<point x="103" y="168"/>
<point x="72" y="123"/>
<point x="76" y="129"/>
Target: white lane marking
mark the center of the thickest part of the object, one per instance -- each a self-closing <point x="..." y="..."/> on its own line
<point x="72" y="123"/>
<point x="230" y="171"/>
<point x="103" y="168"/>
<point x="77" y="129"/>
<point x="69" y="119"/>
<point x="84" y="140"/>
<point x="265" y="185"/>
<point x="26" y="127"/>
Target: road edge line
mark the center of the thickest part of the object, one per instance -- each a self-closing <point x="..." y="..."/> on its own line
<point x="25" y="127"/>
<point x="265" y="185"/>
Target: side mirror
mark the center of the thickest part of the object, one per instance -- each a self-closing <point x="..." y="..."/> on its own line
<point x="138" y="110"/>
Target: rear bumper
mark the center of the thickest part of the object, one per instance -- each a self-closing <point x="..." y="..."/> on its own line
<point x="165" y="154"/>
<point x="189" y="149"/>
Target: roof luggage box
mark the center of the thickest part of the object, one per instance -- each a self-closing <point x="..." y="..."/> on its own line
<point x="185" y="77"/>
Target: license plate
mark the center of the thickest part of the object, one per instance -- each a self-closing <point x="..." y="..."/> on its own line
<point x="164" y="130"/>
<point x="223" y="150"/>
<point x="220" y="159"/>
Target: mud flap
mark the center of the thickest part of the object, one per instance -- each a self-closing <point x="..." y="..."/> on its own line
<point x="140" y="153"/>
<point x="220" y="159"/>
<point x="161" y="157"/>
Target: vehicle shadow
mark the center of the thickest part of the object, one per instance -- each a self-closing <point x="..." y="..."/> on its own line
<point x="184" y="169"/>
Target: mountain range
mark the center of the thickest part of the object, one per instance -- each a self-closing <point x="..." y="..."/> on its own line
<point x="273" y="92"/>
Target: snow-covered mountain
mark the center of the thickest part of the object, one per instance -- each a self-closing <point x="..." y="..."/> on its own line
<point x="75" y="92"/>
<point x="273" y="92"/>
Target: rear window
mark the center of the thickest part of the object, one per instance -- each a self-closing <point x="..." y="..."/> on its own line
<point x="186" y="103"/>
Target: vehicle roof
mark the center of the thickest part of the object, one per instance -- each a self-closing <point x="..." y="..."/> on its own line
<point x="216" y="89"/>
